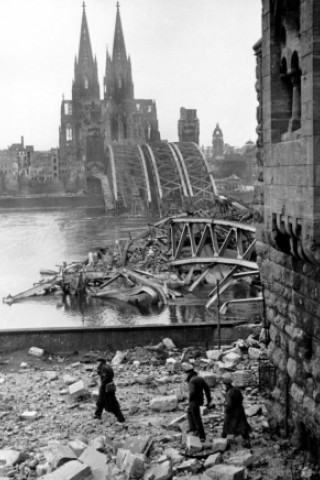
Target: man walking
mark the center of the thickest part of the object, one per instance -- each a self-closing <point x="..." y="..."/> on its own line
<point x="107" y="399"/>
<point x="235" y="419"/>
<point x="197" y="386"/>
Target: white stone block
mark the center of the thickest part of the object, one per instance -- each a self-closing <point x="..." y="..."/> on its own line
<point x="73" y="470"/>
<point x="226" y="472"/>
<point x="58" y="454"/>
<point x="172" y="365"/>
<point x="219" y="445"/>
<point x="242" y="378"/>
<point x="94" y="459"/>
<point x="242" y="458"/>
<point x="162" y="471"/>
<point x="164" y="403"/>
<point x="36" y="352"/>
<point x="30" y="416"/>
<point x="214" y="354"/>
<point x="8" y="458"/>
<point x="77" y="446"/>
<point x="77" y="389"/>
<point x="193" y="444"/>
<point x="212" y="460"/>
<point x="254" y="353"/>
<point x="168" y="343"/>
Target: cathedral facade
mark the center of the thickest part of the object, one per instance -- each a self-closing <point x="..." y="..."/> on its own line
<point x="90" y="123"/>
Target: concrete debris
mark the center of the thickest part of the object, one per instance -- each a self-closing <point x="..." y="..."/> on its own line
<point x="29" y="415"/>
<point x="254" y="353"/>
<point x="173" y="365"/>
<point x="132" y="464"/>
<point x="164" y="404"/>
<point x="77" y="390"/>
<point x="36" y="352"/>
<point x="168" y="343"/>
<point x="219" y="445"/>
<point x="8" y="458"/>
<point x="94" y="459"/>
<point x="119" y="357"/>
<point x="139" y="444"/>
<point x="58" y="454"/>
<point x="73" y="470"/>
<point x="213" y="459"/>
<point x="69" y="379"/>
<point x="193" y="445"/>
<point x="214" y="354"/>
<point x="226" y="472"/>
<point x="242" y="458"/>
<point x="162" y="471"/>
<point x="154" y="440"/>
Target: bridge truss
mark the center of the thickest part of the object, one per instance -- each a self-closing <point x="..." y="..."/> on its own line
<point x="203" y="245"/>
<point x="158" y="179"/>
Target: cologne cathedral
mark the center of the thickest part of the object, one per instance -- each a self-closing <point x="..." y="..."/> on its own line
<point x="89" y="123"/>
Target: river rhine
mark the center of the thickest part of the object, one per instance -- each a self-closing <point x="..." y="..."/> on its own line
<point x="30" y="241"/>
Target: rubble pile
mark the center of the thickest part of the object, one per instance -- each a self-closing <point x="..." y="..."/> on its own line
<point x="48" y="431"/>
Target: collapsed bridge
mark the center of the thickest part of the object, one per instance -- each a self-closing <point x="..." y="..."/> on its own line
<point x="155" y="179"/>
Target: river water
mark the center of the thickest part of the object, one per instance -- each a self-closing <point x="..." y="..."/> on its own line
<point x="30" y="241"/>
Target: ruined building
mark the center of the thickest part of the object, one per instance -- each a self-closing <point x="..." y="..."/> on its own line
<point x="188" y="126"/>
<point x="89" y="123"/>
<point x="288" y="87"/>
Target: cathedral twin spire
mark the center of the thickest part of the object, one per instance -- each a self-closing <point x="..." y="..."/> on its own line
<point x="118" y="77"/>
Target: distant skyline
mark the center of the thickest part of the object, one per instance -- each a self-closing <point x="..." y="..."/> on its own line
<point x="185" y="53"/>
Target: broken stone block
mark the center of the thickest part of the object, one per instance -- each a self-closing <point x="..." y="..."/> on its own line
<point x="232" y="358"/>
<point x="77" y="390"/>
<point x="51" y="375"/>
<point x="226" y="472"/>
<point x="58" y="454"/>
<point x="23" y="365"/>
<point x="210" y="378"/>
<point x="73" y="470"/>
<point x="8" y="458"/>
<point x="213" y="460"/>
<point x="42" y="469"/>
<point x="253" y="410"/>
<point x="29" y="416"/>
<point x="98" y="443"/>
<point x="193" y="444"/>
<point x="242" y="458"/>
<point x="242" y="378"/>
<point x="172" y="365"/>
<point x="177" y="421"/>
<point x="138" y="444"/>
<point x="36" y="352"/>
<point x="219" y="444"/>
<point x="136" y="364"/>
<point x="162" y="471"/>
<point x="192" y="465"/>
<point x="69" y="379"/>
<point x="164" y="404"/>
<point x="77" y="446"/>
<point x="214" y="354"/>
<point x="131" y="463"/>
<point x="254" y="353"/>
<point x="94" y="459"/>
<point x="119" y="357"/>
<point x="173" y="454"/>
<point x="168" y="343"/>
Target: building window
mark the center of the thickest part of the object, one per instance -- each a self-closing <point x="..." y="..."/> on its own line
<point x="86" y="83"/>
<point x="68" y="108"/>
<point x="69" y="133"/>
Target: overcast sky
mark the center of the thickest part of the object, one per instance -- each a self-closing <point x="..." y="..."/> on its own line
<point x="191" y="53"/>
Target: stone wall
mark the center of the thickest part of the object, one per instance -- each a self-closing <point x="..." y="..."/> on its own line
<point x="288" y="86"/>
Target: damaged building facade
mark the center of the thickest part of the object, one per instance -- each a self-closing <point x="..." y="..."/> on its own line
<point x="288" y="89"/>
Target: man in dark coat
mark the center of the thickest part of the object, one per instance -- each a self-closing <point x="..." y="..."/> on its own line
<point x="197" y="386"/>
<point x="235" y="419"/>
<point x="107" y="399"/>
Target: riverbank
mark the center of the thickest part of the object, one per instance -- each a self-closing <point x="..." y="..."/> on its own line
<point x="39" y="416"/>
<point x="51" y="202"/>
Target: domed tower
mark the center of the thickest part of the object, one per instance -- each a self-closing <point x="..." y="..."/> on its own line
<point x="217" y="142"/>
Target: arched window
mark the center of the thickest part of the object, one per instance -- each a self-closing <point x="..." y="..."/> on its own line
<point x="86" y="83"/>
<point x="69" y="132"/>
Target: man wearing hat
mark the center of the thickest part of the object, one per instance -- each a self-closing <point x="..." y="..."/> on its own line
<point x="235" y="419"/>
<point x="107" y="399"/>
<point x="197" y="385"/>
